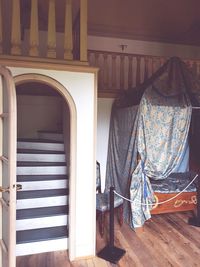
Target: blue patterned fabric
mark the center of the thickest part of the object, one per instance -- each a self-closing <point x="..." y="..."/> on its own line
<point x="163" y="126"/>
<point x="122" y="153"/>
<point x="174" y="183"/>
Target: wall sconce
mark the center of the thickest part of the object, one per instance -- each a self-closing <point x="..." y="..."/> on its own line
<point x="123" y="46"/>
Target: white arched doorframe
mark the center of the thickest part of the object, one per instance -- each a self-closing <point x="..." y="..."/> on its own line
<point x="24" y="78"/>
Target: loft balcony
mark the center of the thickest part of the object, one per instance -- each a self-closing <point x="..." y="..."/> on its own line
<point x="55" y="31"/>
<point x="47" y="30"/>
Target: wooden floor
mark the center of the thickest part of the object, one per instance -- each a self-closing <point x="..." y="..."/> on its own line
<point x="167" y="240"/>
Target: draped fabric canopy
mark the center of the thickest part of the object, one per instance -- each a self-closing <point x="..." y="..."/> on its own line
<point x="156" y="129"/>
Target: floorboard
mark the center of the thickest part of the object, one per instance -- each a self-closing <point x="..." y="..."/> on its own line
<point x="166" y="240"/>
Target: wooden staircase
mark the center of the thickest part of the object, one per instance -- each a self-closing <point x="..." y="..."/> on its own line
<point x="42" y="204"/>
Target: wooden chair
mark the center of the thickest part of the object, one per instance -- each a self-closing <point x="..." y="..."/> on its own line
<point x="103" y="204"/>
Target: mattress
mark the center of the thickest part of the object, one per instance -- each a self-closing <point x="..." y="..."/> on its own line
<point x="175" y="183"/>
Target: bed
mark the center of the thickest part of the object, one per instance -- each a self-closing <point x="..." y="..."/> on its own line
<point x="170" y="188"/>
<point x="159" y="128"/>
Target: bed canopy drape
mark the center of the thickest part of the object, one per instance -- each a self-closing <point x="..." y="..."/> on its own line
<point x="151" y="121"/>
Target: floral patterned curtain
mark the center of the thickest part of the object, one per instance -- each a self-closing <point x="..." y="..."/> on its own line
<point x="163" y="126"/>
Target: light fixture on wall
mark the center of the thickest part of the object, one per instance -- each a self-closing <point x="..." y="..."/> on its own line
<point x="123" y="46"/>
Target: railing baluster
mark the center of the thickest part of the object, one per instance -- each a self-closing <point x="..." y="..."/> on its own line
<point x="122" y="72"/>
<point x="113" y="78"/>
<point x="130" y="71"/>
<point x="138" y="70"/>
<point x="105" y="70"/>
<point x="51" y="41"/>
<point x="16" y="29"/>
<point x="146" y="68"/>
<point x="34" y="34"/>
<point x="83" y="30"/>
<point x="1" y="29"/>
<point x="68" y="42"/>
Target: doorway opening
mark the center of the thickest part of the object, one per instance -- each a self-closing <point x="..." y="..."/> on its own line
<point x="43" y="168"/>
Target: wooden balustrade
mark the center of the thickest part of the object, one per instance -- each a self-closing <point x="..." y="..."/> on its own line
<point x="34" y="35"/>
<point x="34" y="31"/>
<point x="51" y="41"/>
<point x="16" y="29"/>
<point x="68" y="41"/>
<point x="121" y="71"/>
<point x="1" y="29"/>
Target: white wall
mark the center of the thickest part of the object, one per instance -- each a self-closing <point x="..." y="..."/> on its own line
<point x="81" y="89"/>
<point x="143" y="47"/>
<point x="103" y="122"/>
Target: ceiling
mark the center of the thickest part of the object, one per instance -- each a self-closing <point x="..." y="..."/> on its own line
<point x="174" y="21"/>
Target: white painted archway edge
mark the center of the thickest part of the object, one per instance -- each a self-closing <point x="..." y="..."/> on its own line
<point x="79" y="91"/>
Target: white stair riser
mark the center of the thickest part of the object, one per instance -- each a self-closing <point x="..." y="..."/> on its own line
<point x="43" y="170"/>
<point x="40" y="146"/>
<point x="41" y="157"/>
<point x="36" y="223"/>
<point x="42" y="202"/>
<point x="41" y="247"/>
<point x="50" y="136"/>
<point x="42" y="185"/>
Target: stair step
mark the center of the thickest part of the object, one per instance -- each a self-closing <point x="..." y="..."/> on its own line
<point x="38" y="151"/>
<point x="42" y="222"/>
<point x="35" y="140"/>
<point x="41" y="157"/>
<point x="44" y="185"/>
<point x="42" y="193"/>
<point x="38" y="164"/>
<point x="41" y="247"/>
<point x="42" y="212"/>
<point x="42" y="202"/>
<point x="29" y="178"/>
<point x="40" y="145"/>
<point x="41" y="170"/>
<point x="43" y="234"/>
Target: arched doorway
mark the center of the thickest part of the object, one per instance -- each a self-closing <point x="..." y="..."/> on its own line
<point x="45" y="108"/>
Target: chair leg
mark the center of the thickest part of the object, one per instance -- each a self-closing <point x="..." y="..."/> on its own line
<point x="101" y="223"/>
<point x="120" y="214"/>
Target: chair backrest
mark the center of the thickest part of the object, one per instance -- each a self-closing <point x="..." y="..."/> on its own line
<point x="98" y="177"/>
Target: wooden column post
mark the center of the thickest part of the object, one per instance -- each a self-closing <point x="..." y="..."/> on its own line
<point x="1" y="29"/>
<point x="130" y="71"/>
<point x="16" y="29"/>
<point x="83" y="30"/>
<point x="51" y="42"/>
<point x="138" y="70"/>
<point x="34" y="34"/>
<point x="122" y="71"/>
<point x="114" y="85"/>
<point x="68" y="42"/>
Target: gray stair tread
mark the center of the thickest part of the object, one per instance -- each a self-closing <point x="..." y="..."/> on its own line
<point x="36" y="235"/>
<point x="41" y="212"/>
<point x="39" y="164"/>
<point x="31" y="178"/>
<point x="42" y="193"/>
<point x="50" y="132"/>
<point x="39" y="141"/>
<point x="37" y="151"/>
